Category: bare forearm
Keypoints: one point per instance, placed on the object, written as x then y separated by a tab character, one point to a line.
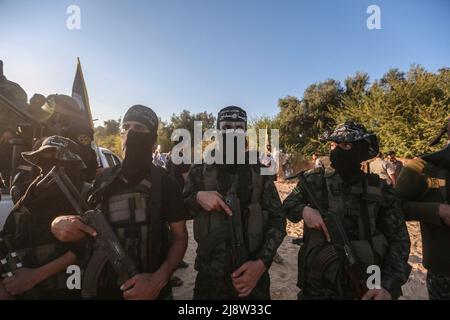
56	266
175	256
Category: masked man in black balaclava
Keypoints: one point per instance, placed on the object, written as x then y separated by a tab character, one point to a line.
371	218
27	228
141	201
262	227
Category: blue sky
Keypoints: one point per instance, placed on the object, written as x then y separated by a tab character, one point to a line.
205	54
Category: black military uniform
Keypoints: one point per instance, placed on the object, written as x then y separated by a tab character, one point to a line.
28	225
139	200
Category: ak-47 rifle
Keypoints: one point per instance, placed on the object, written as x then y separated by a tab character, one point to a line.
339	239
107	247
239	252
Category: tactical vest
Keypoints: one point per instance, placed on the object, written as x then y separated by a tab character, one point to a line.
134	214
255	218
318	260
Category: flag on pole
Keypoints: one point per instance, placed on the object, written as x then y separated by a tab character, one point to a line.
79	93
89	151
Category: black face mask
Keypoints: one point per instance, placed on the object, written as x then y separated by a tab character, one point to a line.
137	155
346	162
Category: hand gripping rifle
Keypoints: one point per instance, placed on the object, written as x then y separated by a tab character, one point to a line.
339	239
106	245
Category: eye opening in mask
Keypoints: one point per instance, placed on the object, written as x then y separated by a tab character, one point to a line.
133	125
342	145
232	125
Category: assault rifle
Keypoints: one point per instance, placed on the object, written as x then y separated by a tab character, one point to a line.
339	239
106	245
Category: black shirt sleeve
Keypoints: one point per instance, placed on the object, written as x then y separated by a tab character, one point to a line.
172	206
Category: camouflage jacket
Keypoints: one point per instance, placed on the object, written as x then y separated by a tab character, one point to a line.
275	228
389	220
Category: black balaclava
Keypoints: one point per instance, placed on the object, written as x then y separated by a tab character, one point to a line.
137	147
347	163
137	151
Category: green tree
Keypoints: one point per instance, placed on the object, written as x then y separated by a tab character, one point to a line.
302	121
112	127
404	110
184	120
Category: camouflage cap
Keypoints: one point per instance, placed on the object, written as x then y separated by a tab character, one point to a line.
66	150
346	132
352	132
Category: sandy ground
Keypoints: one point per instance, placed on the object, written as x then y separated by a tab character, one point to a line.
284	276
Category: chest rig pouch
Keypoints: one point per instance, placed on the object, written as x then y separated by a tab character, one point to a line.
358	209
255	219
134	214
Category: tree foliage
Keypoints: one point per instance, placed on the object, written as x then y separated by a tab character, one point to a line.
405	110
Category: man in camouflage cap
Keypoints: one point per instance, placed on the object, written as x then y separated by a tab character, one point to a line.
370	214
423	184
27	228
263	226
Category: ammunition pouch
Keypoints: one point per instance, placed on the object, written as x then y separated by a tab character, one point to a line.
207	223
134	215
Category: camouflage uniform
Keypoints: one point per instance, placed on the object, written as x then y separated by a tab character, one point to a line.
371	216
263	224
213	279
423	185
